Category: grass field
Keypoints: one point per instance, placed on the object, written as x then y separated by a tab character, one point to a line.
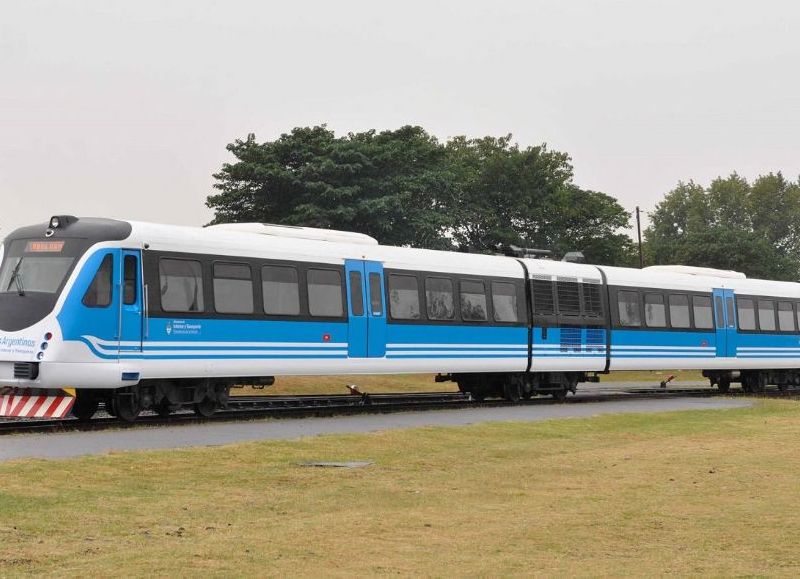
691	493
375	383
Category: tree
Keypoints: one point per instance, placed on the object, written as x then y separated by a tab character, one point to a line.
403	187
730	225
389	185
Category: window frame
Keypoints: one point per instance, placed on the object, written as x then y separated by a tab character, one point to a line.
203	312
486	297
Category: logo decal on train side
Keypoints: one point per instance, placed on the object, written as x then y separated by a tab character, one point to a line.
183	328
17	345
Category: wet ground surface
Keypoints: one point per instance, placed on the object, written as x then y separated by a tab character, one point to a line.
71	444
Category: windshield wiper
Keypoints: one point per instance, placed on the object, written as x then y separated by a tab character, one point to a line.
16	276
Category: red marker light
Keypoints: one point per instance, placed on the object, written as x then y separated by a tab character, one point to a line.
48	336
326	337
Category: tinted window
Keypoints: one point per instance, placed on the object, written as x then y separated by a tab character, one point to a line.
439	298
356	293
233	288
747	315
628	303
99	293
719	311
729	311
766	315
473	301
404	297
592	304
325	293
181	285
655	314
504	301
376	303
281	291
785	317
679	311
703	316
543	296
131	276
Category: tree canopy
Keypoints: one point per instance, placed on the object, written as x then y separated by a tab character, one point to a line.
404	187
731	224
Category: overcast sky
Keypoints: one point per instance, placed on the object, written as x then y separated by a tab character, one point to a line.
124	108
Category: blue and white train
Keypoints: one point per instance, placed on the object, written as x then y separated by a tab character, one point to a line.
144	316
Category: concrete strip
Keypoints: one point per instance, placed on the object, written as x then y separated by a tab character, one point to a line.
71	444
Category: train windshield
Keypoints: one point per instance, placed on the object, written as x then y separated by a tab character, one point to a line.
32	265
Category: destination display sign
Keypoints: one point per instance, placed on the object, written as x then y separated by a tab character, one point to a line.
44	247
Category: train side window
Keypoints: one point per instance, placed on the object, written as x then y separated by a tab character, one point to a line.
233	288
356	293
655	314
592	303
543	301
703	316
325	293
745	310
766	315
280	289
473	301
439	298
504	301
403	297
376	303
99	293
569	302
719	311
679	311
628	303
729	311
786	317
130	276
181	285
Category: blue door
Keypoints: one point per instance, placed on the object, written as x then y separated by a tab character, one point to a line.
725	317
128	289
376	339
366	309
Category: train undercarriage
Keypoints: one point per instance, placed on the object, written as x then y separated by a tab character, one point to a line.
204	396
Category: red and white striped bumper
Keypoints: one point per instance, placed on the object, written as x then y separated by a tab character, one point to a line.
35	405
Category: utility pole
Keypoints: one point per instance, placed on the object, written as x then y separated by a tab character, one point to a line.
639	234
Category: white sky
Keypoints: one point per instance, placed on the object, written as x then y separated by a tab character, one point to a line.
124	108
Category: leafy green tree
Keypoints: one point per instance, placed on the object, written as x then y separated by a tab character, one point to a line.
731	224
405	188
389	185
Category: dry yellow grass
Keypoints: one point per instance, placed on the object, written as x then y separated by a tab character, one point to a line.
692	493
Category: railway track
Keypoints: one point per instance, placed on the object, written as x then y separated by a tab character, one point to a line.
305	406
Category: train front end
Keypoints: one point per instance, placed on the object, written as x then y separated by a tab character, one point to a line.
50	282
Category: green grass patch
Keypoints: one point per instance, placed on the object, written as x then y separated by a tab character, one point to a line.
685	493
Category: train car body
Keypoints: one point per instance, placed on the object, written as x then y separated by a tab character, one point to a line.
146	316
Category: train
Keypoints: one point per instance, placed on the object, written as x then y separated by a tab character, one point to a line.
142	316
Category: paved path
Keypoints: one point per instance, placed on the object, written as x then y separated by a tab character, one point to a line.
70	444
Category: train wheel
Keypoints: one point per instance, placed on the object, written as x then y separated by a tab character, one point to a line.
511	392
109	403
560	395
163	408
84	408
206	407
724	385
126	408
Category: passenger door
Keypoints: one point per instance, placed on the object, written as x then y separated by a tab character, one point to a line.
366	309
725	321
129	291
